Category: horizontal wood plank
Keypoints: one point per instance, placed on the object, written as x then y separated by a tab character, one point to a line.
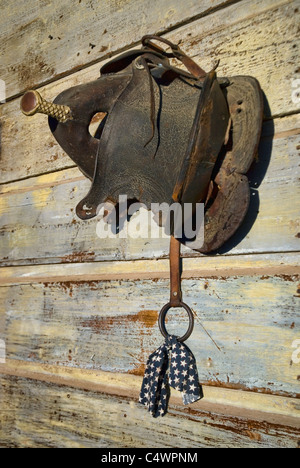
245	327
261	407
39	224
64	36
194	267
81	418
244	39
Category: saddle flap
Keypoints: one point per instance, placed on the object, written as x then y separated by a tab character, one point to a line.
206	140
228	206
85	101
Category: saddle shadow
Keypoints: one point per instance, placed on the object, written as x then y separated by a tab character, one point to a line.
255	175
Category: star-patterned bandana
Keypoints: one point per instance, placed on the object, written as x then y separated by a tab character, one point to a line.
171	365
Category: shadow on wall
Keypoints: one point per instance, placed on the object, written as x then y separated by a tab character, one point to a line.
255	175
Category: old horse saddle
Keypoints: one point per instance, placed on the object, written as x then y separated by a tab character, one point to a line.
169	135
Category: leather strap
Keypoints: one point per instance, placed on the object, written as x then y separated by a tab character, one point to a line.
175	273
189	63
176	293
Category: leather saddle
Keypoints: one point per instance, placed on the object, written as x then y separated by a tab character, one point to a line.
170	135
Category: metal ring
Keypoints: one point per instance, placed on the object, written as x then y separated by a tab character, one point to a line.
162	317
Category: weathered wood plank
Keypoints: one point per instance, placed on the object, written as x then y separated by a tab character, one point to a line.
195	267
244	331
39	224
64	36
262	407
77	418
244	38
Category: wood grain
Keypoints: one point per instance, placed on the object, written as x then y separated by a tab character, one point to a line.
258	406
65	36
244	331
63	417
193	267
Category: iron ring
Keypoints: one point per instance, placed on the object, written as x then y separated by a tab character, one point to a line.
162	317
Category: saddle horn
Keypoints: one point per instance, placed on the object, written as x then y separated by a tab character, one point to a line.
32	103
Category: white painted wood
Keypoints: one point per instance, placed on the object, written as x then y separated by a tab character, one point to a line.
43	40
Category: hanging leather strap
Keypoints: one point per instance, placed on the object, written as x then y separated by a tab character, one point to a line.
175	273
176	293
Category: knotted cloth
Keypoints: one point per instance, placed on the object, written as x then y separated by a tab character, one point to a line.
171	365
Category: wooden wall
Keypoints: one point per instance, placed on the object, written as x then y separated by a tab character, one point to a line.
78	314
